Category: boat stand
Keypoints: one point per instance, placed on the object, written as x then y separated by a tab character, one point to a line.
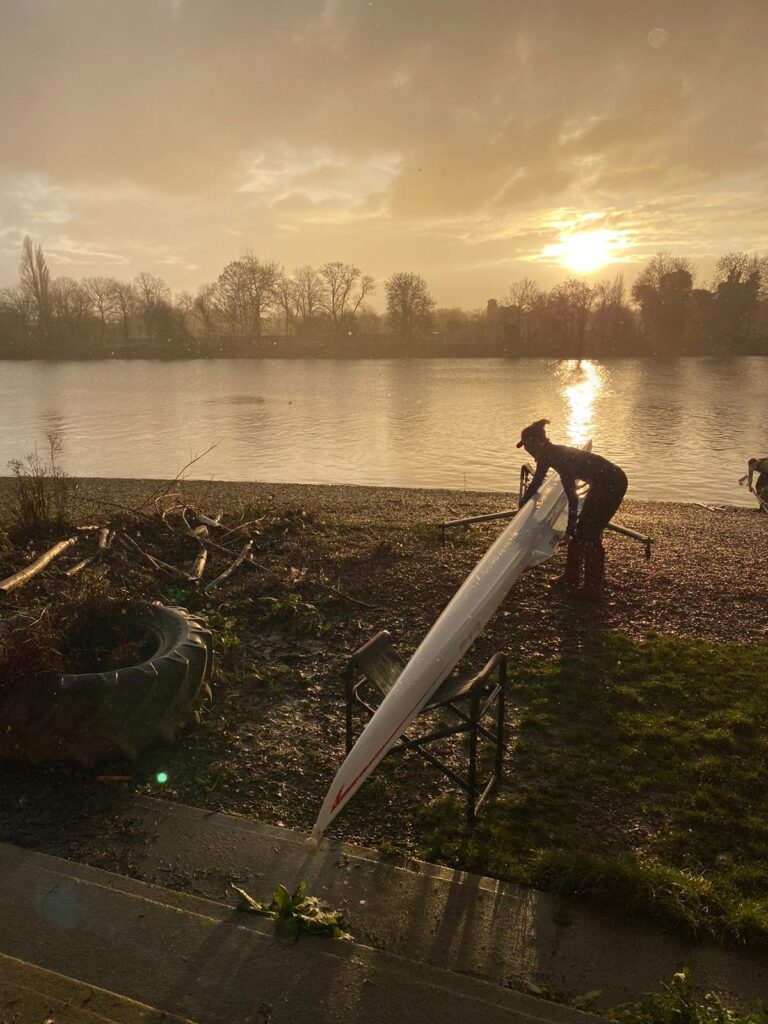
473	699
525	474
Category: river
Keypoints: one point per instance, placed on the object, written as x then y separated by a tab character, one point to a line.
682	429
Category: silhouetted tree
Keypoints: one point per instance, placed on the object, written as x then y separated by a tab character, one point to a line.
152	295
71	311
246	293
102	299
611	325
663	293
410	305
126	304
204	305
287	303
309	295
15	321
567	314
740	281
345	288
35	282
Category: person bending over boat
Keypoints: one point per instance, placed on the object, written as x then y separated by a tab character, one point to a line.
607	485
759	466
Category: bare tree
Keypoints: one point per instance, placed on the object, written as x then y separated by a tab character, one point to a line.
310	293
567	313
101	295
184	305
126	303
204	305
287	302
246	291
35	282
524	295
71	307
153	296
410	306
345	289
15	319
663	293
660	267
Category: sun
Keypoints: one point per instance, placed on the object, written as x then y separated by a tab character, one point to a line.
585	251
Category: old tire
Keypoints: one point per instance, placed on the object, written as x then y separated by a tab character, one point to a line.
99	715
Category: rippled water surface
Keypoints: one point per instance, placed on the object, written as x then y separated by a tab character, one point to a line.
682	429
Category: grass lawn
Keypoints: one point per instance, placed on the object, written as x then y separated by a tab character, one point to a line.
639	778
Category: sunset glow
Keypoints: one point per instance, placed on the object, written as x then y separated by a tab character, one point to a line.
585	251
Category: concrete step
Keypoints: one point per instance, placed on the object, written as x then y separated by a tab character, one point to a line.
200	960
32	995
450	919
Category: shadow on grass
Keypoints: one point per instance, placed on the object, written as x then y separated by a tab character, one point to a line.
637	778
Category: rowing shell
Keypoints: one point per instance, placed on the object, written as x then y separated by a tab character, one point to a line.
531	537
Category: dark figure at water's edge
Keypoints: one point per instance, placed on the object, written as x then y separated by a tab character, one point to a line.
759	466
607	486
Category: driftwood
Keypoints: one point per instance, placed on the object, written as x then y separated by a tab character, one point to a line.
156	563
75	569
23	575
230	569
106	536
198	566
209	520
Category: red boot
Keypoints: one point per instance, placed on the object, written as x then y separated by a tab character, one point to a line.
594	571
571	578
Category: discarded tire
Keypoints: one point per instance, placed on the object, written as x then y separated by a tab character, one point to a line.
94	716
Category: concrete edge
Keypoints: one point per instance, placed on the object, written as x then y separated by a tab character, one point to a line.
37	992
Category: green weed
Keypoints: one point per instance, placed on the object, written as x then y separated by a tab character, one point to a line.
677	1004
293	614
293	913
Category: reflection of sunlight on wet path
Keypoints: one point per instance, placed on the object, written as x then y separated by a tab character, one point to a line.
582	382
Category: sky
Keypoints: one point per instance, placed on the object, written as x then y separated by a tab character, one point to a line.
468	142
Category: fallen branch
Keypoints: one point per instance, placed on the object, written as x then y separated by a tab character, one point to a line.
198	566
228	571
23	575
209	520
81	565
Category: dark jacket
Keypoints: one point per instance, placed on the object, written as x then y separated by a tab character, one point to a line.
572	464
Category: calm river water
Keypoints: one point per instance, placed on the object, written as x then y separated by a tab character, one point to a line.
683	429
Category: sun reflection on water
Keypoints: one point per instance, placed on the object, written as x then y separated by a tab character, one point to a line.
582	381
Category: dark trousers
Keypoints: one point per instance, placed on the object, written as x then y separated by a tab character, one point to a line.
605	494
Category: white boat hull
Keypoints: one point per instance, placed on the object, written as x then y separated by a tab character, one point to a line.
531	537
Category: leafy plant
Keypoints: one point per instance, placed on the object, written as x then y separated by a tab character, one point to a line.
293	913
224	627
43	490
677	1004
293	613
176	595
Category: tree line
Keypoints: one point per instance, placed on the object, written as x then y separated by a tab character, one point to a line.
255	308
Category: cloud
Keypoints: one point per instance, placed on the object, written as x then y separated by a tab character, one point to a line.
171	130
